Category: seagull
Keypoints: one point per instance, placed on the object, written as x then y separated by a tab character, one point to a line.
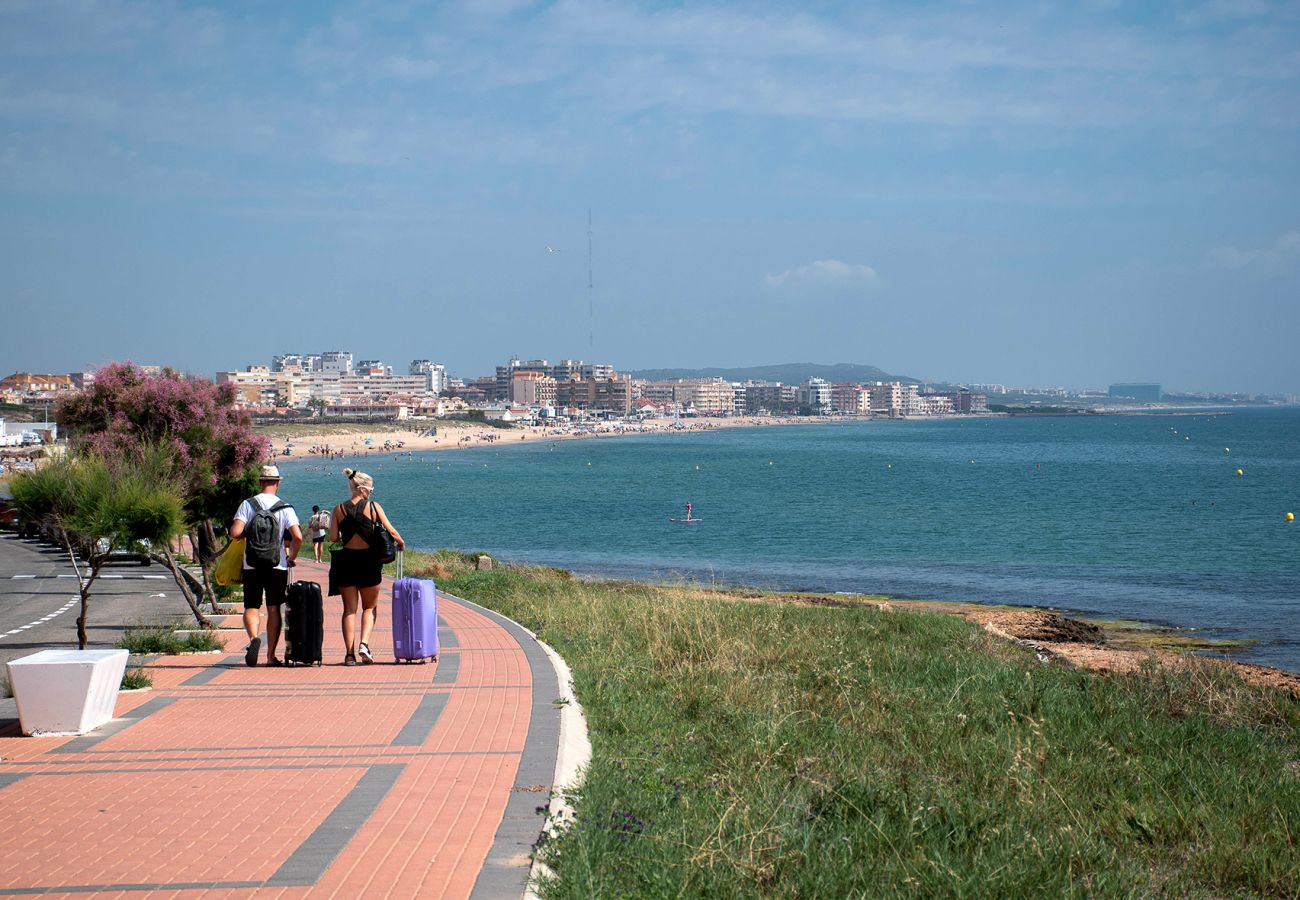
550	249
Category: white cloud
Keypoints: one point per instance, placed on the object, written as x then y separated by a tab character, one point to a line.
825	272
1281	251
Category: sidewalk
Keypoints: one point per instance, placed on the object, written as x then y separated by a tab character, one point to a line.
229	781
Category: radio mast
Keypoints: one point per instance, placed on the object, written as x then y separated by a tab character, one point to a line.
591	302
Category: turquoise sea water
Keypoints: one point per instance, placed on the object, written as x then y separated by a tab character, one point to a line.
1138	517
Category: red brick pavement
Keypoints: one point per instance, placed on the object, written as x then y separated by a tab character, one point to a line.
281	782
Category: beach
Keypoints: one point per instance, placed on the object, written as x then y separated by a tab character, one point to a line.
309	440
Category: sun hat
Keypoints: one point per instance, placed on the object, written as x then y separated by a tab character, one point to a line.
270	473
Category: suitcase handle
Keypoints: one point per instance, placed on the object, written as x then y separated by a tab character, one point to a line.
400	554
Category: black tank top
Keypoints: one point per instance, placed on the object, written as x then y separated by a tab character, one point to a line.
354	521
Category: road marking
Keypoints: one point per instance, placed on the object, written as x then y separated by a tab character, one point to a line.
16	577
58	612
158	577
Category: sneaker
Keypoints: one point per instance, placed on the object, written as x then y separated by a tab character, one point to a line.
364	653
349	660
250	654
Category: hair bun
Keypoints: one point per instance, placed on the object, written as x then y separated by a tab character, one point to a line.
349	473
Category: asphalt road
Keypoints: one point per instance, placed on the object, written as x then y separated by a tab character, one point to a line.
39	602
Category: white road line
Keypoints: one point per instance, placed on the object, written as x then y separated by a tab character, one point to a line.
62	609
158	577
16	577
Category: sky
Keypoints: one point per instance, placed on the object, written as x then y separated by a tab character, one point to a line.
1051	194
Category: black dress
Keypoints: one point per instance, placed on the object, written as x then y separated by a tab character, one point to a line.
358	568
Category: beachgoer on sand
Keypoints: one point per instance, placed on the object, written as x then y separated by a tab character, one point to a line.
355	570
270	527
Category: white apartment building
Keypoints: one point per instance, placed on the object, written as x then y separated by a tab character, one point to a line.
598	372
816	392
436	374
336	361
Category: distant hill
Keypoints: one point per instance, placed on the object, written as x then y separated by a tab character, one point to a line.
786	373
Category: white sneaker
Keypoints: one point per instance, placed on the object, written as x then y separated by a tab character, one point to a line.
363	653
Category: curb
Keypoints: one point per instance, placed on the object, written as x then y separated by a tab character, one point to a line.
570	765
572	754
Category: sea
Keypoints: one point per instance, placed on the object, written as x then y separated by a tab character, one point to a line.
1173	519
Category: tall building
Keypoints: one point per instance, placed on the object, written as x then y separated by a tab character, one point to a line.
336	361
598	371
434	372
567	370
530	388
816	392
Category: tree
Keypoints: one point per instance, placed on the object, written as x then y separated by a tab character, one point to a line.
211	440
96	506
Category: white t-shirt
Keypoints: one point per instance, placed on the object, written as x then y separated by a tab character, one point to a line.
286	517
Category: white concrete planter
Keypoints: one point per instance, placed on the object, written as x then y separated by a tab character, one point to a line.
66	691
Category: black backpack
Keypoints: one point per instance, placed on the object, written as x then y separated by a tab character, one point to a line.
264	536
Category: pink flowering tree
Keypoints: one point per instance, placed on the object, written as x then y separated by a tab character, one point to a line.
212	443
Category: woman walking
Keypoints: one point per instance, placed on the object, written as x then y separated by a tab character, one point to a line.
355	570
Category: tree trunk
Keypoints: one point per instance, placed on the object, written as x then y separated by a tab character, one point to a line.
83	586
182	578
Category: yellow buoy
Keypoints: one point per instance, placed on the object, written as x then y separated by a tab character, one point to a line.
1290	517
1239	472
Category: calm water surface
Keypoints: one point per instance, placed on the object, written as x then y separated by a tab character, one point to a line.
1139	517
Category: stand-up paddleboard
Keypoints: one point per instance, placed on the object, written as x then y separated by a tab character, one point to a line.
689	517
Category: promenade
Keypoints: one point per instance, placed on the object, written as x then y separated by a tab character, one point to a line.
228	781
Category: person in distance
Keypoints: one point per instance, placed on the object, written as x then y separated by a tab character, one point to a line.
355	570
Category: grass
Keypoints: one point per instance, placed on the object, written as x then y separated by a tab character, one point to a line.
136	679
752	749
149	639
6	689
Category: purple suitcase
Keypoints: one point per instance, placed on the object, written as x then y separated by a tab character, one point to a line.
415	618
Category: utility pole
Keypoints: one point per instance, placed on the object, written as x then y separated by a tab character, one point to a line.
591	302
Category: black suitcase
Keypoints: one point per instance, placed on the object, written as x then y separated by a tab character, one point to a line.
304	624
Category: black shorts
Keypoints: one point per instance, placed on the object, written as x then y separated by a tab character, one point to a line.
354	568
318	540
271	582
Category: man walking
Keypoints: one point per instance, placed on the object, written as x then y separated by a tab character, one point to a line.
264	521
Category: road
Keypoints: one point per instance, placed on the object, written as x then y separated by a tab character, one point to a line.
39	604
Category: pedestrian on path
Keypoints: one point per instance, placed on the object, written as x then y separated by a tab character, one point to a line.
270	527
355	570
319	525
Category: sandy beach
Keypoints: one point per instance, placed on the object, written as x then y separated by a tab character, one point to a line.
320	440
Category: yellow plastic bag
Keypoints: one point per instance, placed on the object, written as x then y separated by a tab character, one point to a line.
230	566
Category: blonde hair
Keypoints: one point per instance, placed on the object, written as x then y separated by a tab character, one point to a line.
359	479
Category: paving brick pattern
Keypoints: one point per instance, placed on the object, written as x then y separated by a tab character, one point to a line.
228	781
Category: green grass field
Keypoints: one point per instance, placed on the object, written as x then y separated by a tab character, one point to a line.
768	749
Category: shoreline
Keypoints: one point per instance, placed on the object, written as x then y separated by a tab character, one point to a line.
1105	646
390	439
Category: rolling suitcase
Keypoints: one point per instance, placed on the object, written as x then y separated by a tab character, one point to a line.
415	618
304	624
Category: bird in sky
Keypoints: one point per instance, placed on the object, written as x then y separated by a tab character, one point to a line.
550	249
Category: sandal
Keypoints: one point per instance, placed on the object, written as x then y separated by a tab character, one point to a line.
349	660
273	661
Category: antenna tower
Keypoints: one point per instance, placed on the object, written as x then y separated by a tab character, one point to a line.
591	303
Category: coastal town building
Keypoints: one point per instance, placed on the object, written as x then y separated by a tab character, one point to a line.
815	393
336	361
531	388
770	396
32	386
435	373
853	399
590	394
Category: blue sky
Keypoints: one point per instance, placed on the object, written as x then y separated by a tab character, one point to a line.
1050	194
